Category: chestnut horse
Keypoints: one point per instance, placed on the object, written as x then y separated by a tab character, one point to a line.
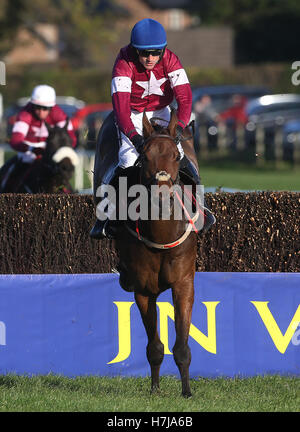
163	253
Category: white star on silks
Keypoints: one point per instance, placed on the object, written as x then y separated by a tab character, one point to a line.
152	86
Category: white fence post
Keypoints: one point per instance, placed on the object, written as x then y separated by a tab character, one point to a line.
85	166
2	154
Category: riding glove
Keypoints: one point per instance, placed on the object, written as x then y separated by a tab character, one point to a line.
138	142
27	157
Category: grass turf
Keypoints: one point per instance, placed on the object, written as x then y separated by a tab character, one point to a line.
247	178
102	394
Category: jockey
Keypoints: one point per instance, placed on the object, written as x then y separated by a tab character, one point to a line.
29	133
147	76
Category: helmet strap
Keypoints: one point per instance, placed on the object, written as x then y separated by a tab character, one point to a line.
162	54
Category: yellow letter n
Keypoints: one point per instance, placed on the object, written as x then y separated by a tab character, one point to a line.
208	342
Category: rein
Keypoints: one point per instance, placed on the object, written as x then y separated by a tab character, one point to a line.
171	245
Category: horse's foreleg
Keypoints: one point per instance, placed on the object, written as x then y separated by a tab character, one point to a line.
155	349
183	299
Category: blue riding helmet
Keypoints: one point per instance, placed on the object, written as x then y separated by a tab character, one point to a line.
148	34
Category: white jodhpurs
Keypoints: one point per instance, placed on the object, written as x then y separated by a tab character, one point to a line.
127	153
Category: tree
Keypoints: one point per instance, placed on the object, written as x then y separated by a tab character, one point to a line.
10	20
238	12
265	30
84	27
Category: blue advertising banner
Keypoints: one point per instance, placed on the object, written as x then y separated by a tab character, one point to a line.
243	324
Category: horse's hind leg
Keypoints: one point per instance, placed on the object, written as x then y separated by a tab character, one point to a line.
155	349
183	298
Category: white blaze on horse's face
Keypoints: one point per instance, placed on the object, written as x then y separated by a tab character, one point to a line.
66	152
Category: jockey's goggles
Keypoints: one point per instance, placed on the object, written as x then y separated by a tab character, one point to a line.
147	53
43	108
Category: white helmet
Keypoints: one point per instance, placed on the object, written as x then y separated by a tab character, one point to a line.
43	95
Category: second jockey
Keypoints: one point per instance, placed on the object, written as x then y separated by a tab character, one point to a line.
146	76
29	133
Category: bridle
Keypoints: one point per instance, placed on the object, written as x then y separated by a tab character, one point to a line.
159	175
154	180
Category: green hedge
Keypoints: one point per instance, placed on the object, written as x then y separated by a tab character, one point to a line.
93	85
256	232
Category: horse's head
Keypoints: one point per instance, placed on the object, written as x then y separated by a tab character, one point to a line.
160	161
160	157
57	137
59	155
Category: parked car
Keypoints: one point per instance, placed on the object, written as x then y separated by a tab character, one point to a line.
273	110
87	122
210	101
270	112
291	139
221	95
69	104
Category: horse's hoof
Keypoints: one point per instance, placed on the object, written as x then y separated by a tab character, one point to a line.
187	395
155	390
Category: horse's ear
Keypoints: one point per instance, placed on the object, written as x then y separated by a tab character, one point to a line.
173	123
147	126
67	124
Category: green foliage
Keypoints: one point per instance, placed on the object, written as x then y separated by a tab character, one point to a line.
93	86
10	20
237	12
265	30
87	84
83	29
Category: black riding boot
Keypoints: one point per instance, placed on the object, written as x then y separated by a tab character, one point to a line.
188	168
106	228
